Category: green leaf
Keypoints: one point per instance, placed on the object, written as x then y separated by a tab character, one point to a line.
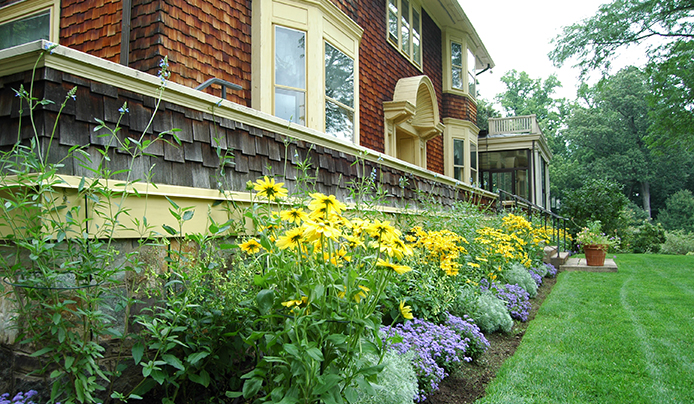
265	300
188	214
138	351
173	203
315	354
291	349
233	394
251	387
41	351
169	229
173	361
328	382
203	378
56	318
158	375
196	356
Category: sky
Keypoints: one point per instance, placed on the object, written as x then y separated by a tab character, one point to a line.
517	35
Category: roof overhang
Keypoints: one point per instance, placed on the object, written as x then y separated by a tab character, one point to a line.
449	13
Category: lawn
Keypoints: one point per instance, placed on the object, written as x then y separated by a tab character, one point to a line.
622	337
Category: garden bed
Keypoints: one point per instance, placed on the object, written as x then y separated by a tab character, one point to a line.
469	384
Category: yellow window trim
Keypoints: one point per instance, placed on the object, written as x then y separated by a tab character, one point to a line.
461	130
322	21
28	8
450	36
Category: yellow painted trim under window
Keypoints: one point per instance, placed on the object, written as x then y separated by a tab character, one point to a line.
27	8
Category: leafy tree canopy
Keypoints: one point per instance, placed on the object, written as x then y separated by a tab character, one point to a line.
667	28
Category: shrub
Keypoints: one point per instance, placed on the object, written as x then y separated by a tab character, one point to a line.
466	327
516	298
551	270
519	275
646	238
597	199
679	212
491	313
678	242
397	382
436	348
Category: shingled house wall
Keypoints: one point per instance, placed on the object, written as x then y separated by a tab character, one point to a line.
195	163
205	39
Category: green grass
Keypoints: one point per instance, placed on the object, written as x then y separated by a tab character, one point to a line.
625	337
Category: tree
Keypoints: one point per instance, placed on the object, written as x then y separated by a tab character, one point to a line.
679	213
485	110
526	96
667	28
607	136
597	199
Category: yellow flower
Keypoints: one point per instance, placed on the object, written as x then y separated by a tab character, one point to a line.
406	311
329	204
267	188
297	304
400	269
383	230
314	230
294	216
292	238
361	294
251	246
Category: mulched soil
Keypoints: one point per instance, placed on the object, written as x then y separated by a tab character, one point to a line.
469	384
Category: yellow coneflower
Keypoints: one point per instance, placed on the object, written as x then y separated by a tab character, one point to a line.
267	188
406	311
251	246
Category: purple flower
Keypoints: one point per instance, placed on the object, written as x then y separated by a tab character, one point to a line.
516	298
437	348
551	270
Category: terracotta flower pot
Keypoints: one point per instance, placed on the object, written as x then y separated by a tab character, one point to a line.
595	254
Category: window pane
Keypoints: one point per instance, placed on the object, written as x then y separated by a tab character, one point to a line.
339	76
416	37
456	55
339	121
473	156
458	173
290	60
458	152
472	77
290	105
470	62
393	20
473	176
457	78
405	28
25	30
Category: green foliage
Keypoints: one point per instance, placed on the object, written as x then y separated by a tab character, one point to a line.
519	275
679	212
644	238
678	242
665	28
491	313
599	200
397	382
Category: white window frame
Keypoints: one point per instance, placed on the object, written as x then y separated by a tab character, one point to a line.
411	51
29	8
322	21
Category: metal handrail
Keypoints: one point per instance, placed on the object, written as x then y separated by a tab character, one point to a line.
222	83
556	219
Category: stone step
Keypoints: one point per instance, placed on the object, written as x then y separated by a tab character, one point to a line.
579	264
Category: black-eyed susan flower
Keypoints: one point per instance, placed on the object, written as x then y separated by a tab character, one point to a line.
267	188
295	216
251	246
400	269
314	231
406	311
293	238
382	230
329	204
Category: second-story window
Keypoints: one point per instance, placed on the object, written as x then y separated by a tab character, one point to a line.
472	77
290	74
405	28
339	94
456	65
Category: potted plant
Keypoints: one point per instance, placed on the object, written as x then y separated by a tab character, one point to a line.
595	243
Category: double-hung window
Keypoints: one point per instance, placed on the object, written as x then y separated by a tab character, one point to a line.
339	93
471	76
405	28
462	68
25	30
290	74
458	159
456	65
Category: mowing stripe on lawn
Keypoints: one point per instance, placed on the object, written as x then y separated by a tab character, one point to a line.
622	337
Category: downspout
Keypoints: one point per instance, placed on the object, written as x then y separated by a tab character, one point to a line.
125	33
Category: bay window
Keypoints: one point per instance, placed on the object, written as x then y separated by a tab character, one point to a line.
29	20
